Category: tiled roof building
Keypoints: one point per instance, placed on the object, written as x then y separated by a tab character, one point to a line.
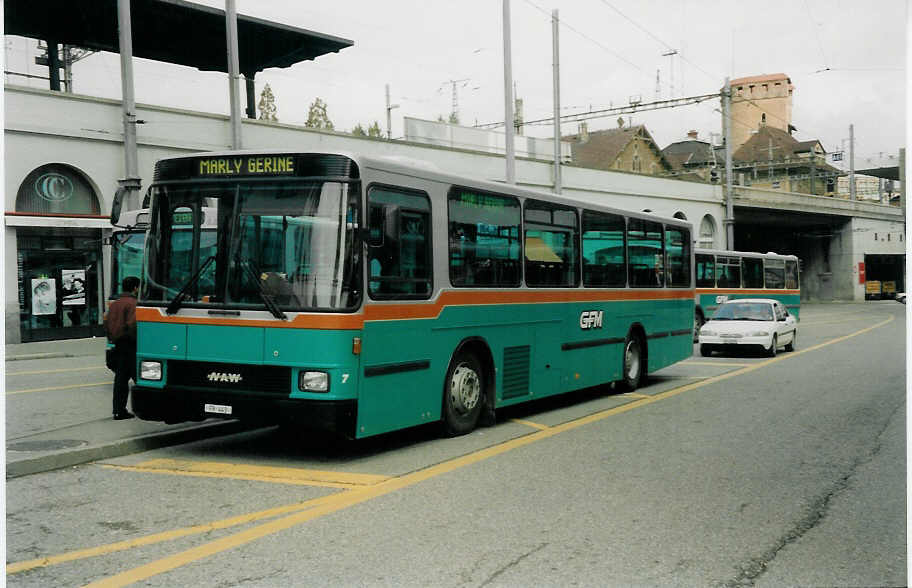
629	148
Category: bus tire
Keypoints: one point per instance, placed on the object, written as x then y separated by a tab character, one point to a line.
463	394
633	362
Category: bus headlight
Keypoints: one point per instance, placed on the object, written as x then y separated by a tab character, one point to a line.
313	381
150	370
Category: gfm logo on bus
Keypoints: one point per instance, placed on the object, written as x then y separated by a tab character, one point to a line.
591	319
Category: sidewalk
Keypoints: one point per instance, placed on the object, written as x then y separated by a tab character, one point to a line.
59	443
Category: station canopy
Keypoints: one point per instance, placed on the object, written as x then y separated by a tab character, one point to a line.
172	31
888	173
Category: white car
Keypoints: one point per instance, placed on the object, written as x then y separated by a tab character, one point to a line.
749	323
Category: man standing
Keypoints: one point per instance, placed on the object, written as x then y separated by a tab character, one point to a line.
120	325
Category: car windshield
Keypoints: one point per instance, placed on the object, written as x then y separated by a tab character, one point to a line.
289	245
744	311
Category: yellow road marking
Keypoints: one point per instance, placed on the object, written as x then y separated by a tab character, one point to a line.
160	537
108	383
33	372
635	395
275	475
531	424
339	501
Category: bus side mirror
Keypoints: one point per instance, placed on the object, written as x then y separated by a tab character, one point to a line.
117	204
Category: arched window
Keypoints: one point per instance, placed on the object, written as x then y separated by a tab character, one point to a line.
56	189
680	215
707	232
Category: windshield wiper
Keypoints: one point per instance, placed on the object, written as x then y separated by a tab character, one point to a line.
179	299
267	299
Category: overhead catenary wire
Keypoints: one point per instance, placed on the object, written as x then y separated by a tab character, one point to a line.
826	64
667	46
568	26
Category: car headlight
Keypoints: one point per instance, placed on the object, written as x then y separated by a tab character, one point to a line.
313	381
150	370
759	334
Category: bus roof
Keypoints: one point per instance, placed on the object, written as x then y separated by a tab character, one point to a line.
769	255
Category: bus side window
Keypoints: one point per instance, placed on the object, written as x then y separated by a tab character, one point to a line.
791	274
604	253
677	248
399	244
752	272
645	253
706	271
484	245
774	273
551	245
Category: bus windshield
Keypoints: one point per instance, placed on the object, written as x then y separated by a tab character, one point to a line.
289	244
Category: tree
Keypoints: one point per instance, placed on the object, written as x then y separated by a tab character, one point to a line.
267	104
317	117
372	131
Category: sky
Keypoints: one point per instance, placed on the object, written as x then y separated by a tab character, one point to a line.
845	58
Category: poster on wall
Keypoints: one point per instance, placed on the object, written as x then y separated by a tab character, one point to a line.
44	296
73	287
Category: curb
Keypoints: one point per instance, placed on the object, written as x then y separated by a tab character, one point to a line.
56	461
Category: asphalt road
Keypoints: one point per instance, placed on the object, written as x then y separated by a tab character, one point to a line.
722	471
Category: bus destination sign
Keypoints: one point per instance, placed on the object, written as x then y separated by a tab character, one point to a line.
267	165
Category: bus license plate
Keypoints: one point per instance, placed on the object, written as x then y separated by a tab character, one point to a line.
217	408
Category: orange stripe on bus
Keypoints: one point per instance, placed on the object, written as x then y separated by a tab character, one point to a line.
420	310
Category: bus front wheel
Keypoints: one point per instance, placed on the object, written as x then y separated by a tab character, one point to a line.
633	363
463	394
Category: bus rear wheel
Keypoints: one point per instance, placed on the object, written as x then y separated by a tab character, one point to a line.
463	394
633	364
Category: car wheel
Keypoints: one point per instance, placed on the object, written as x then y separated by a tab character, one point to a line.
463	394
632	363
773	347
791	344
706	350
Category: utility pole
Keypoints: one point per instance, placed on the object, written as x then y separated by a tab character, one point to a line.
508	97
555	51
389	117
902	180
729	191
233	77
131	182
852	162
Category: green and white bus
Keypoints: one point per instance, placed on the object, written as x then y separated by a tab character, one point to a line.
728	275
365	295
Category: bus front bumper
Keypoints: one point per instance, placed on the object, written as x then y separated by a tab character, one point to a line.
179	405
